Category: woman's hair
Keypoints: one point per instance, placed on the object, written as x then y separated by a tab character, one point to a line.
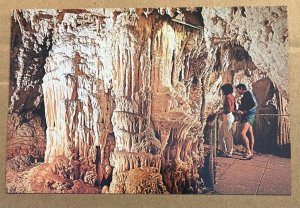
241	87
227	89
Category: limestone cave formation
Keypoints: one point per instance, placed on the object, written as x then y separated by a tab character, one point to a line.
117	100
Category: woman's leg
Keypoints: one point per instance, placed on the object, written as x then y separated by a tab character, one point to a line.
228	134
222	144
225	136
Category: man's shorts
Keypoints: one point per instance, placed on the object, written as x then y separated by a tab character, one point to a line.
248	118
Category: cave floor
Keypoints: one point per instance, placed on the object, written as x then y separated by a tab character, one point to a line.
263	175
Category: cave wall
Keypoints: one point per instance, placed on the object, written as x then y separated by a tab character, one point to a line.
126	92
261	31
30	43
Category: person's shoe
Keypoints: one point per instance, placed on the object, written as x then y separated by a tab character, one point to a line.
237	153
221	154
247	157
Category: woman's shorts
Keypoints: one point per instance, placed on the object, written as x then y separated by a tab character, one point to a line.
248	118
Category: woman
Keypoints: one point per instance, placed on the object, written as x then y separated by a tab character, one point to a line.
225	133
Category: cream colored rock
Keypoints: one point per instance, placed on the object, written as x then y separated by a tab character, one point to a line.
127	92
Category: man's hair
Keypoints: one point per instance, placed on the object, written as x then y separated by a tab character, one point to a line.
227	89
241	86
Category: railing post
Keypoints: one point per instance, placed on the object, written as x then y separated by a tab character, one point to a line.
213	153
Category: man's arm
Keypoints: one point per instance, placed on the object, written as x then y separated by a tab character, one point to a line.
254	101
251	102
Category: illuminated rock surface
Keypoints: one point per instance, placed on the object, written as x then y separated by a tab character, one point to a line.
118	99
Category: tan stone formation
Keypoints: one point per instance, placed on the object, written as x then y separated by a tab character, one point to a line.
59	176
26	119
122	95
26	136
261	31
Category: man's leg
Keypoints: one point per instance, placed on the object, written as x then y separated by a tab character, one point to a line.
244	128
251	141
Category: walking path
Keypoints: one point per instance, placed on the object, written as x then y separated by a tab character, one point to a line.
264	174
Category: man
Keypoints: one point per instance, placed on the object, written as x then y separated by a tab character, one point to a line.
247	110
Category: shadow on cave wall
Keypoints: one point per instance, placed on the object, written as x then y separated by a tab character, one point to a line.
266	124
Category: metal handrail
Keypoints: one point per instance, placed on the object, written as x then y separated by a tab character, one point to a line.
270	114
213	151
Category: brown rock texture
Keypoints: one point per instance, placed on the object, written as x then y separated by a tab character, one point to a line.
116	100
59	176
